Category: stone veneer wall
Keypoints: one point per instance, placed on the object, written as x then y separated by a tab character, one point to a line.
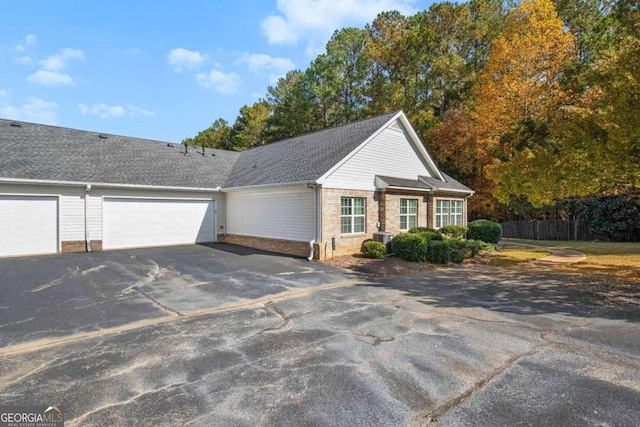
288	247
345	243
81	246
392	210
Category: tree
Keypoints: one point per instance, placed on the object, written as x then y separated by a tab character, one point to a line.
250	128
218	135
293	107
521	79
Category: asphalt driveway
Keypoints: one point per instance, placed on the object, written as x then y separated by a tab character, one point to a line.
462	346
60	295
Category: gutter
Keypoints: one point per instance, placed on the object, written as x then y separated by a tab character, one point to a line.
282	184
315	187
103	185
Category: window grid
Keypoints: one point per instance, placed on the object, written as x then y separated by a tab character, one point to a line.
352	215
408	213
448	212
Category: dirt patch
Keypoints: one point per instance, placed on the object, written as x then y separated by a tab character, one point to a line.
393	266
390	266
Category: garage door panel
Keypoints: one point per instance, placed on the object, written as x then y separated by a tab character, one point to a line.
130	223
28	225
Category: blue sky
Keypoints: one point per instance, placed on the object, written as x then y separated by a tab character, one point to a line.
159	69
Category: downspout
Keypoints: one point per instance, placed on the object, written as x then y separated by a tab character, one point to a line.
87	237
315	225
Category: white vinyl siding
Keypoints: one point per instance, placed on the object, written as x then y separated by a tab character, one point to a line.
408	213
449	212
286	213
28	225
353	215
390	153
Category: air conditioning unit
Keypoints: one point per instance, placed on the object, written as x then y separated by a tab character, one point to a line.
384	237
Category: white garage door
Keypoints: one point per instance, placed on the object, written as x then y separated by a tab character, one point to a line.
28	225
131	223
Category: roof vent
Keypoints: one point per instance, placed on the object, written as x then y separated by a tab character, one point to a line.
169	145
16	125
102	136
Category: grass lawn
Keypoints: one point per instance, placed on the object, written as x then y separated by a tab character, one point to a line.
510	255
621	259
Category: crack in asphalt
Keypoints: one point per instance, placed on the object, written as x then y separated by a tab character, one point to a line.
282	314
434	415
258	302
376	339
158	303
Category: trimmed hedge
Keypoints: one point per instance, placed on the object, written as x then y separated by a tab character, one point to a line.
485	230
453	230
373	249
409	246
423	230
453	250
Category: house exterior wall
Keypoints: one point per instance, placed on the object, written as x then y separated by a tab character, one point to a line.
390	153
331	225
283	213
392	210
71	213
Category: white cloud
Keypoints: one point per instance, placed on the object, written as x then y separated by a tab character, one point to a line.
135	111
314	20
50	78
59	61
105	111
223	83
4	94
181	59
31	39
24	60
273	66
133	51
35	110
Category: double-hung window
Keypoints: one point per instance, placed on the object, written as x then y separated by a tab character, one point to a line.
408	213
352	215
448	212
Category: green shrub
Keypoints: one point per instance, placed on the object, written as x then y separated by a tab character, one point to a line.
458	250
453	230
437	252
373	249
420	230
409	246
485	230
431	235
476	246
454	250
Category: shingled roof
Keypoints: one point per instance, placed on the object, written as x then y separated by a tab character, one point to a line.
42	152
303	158
30	151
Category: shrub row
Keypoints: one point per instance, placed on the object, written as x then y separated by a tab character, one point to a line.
418	247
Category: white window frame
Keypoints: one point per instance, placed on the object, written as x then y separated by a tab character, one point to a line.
448	212
406	215
351	215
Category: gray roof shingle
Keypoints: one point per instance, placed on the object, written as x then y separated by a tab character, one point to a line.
404	183
303	158
450	184
42	152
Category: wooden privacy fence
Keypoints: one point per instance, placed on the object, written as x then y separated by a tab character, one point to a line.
549	229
